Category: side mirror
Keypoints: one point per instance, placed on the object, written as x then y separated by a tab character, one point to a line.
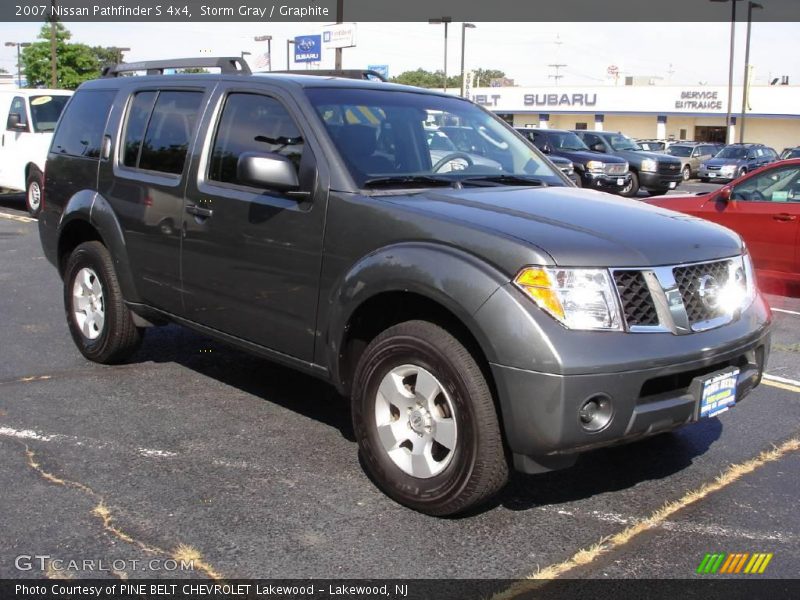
725	194
599	147
15	122
267	170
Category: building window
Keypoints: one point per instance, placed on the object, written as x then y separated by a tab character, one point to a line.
682	134
580	126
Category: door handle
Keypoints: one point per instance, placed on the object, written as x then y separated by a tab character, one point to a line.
784	217
198	211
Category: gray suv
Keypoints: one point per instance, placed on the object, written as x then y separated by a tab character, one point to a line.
481	315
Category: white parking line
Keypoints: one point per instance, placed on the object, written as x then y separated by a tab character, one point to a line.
19	218
788	312
782	380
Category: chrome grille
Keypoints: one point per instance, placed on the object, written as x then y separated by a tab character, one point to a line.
690	283
713	167
616	168
637	302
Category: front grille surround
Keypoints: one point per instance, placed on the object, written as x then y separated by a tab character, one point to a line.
670	298
669	168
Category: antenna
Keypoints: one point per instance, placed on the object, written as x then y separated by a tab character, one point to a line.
556	66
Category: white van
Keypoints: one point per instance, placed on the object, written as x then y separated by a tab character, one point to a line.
30	118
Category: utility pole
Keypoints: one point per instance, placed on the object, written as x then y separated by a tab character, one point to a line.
556	66
53	58
746	82
288	54
446	21
464	27
339	19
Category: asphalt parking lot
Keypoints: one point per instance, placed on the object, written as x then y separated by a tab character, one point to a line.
199	450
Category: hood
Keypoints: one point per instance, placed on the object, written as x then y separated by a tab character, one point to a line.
725	161
584	156
638	155
580	227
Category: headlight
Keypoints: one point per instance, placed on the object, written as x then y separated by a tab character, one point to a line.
740	290
595	165
648	164
577	298
728	168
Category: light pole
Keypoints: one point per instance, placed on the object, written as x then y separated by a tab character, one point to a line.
268	39
746	81
119	52
288	53
446	21
728	139
19	60
464	27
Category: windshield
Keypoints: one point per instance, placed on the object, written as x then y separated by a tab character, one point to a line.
45	111
620	142
732	152
404	138
680	150
565	141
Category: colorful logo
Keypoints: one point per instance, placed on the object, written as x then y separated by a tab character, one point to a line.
743	563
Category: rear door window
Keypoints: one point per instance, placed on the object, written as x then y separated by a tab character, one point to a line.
80	132
159	128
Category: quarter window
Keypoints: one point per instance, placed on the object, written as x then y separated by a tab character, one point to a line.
81	130
252	123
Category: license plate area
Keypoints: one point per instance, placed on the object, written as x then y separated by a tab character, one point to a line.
620	181
672	185
715	392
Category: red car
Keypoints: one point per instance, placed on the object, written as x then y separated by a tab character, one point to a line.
764	208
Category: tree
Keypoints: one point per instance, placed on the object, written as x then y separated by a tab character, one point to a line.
427	79
75	63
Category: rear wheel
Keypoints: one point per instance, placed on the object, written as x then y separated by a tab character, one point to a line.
425	420
100	323
33	192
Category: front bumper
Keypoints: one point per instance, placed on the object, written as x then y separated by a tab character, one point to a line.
658	181
716	175
601	181
645	376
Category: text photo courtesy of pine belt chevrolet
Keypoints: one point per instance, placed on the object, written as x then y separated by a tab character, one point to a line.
480	316
764	208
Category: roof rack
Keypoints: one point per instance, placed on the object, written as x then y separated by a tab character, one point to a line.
346	73
226	65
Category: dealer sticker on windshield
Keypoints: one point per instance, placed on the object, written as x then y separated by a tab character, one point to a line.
718	393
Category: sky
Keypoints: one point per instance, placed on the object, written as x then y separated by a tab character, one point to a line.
679	53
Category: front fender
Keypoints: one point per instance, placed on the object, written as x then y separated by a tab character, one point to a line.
456	280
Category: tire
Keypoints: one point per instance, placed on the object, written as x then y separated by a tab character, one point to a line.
630	190
100	323
459	411
742	172
33	192
687	173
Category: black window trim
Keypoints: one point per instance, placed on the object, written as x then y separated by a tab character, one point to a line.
203	179
147	175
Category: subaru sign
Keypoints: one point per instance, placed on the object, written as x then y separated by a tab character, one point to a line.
307	48
382	70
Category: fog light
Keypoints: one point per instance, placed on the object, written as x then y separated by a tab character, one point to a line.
595	413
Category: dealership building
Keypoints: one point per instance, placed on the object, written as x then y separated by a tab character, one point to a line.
653	111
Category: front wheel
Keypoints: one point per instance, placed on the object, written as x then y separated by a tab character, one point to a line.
632	187
100	323
687	173
33	192
425	421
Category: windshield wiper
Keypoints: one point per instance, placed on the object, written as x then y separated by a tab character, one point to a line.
409	180
504	180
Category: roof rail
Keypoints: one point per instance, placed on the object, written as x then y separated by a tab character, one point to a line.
226	65
346	73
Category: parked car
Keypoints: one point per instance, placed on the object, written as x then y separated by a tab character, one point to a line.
734	160
31	117
764	208
790	153
653	145
567	167
477	319
692	155
651	171
609	174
